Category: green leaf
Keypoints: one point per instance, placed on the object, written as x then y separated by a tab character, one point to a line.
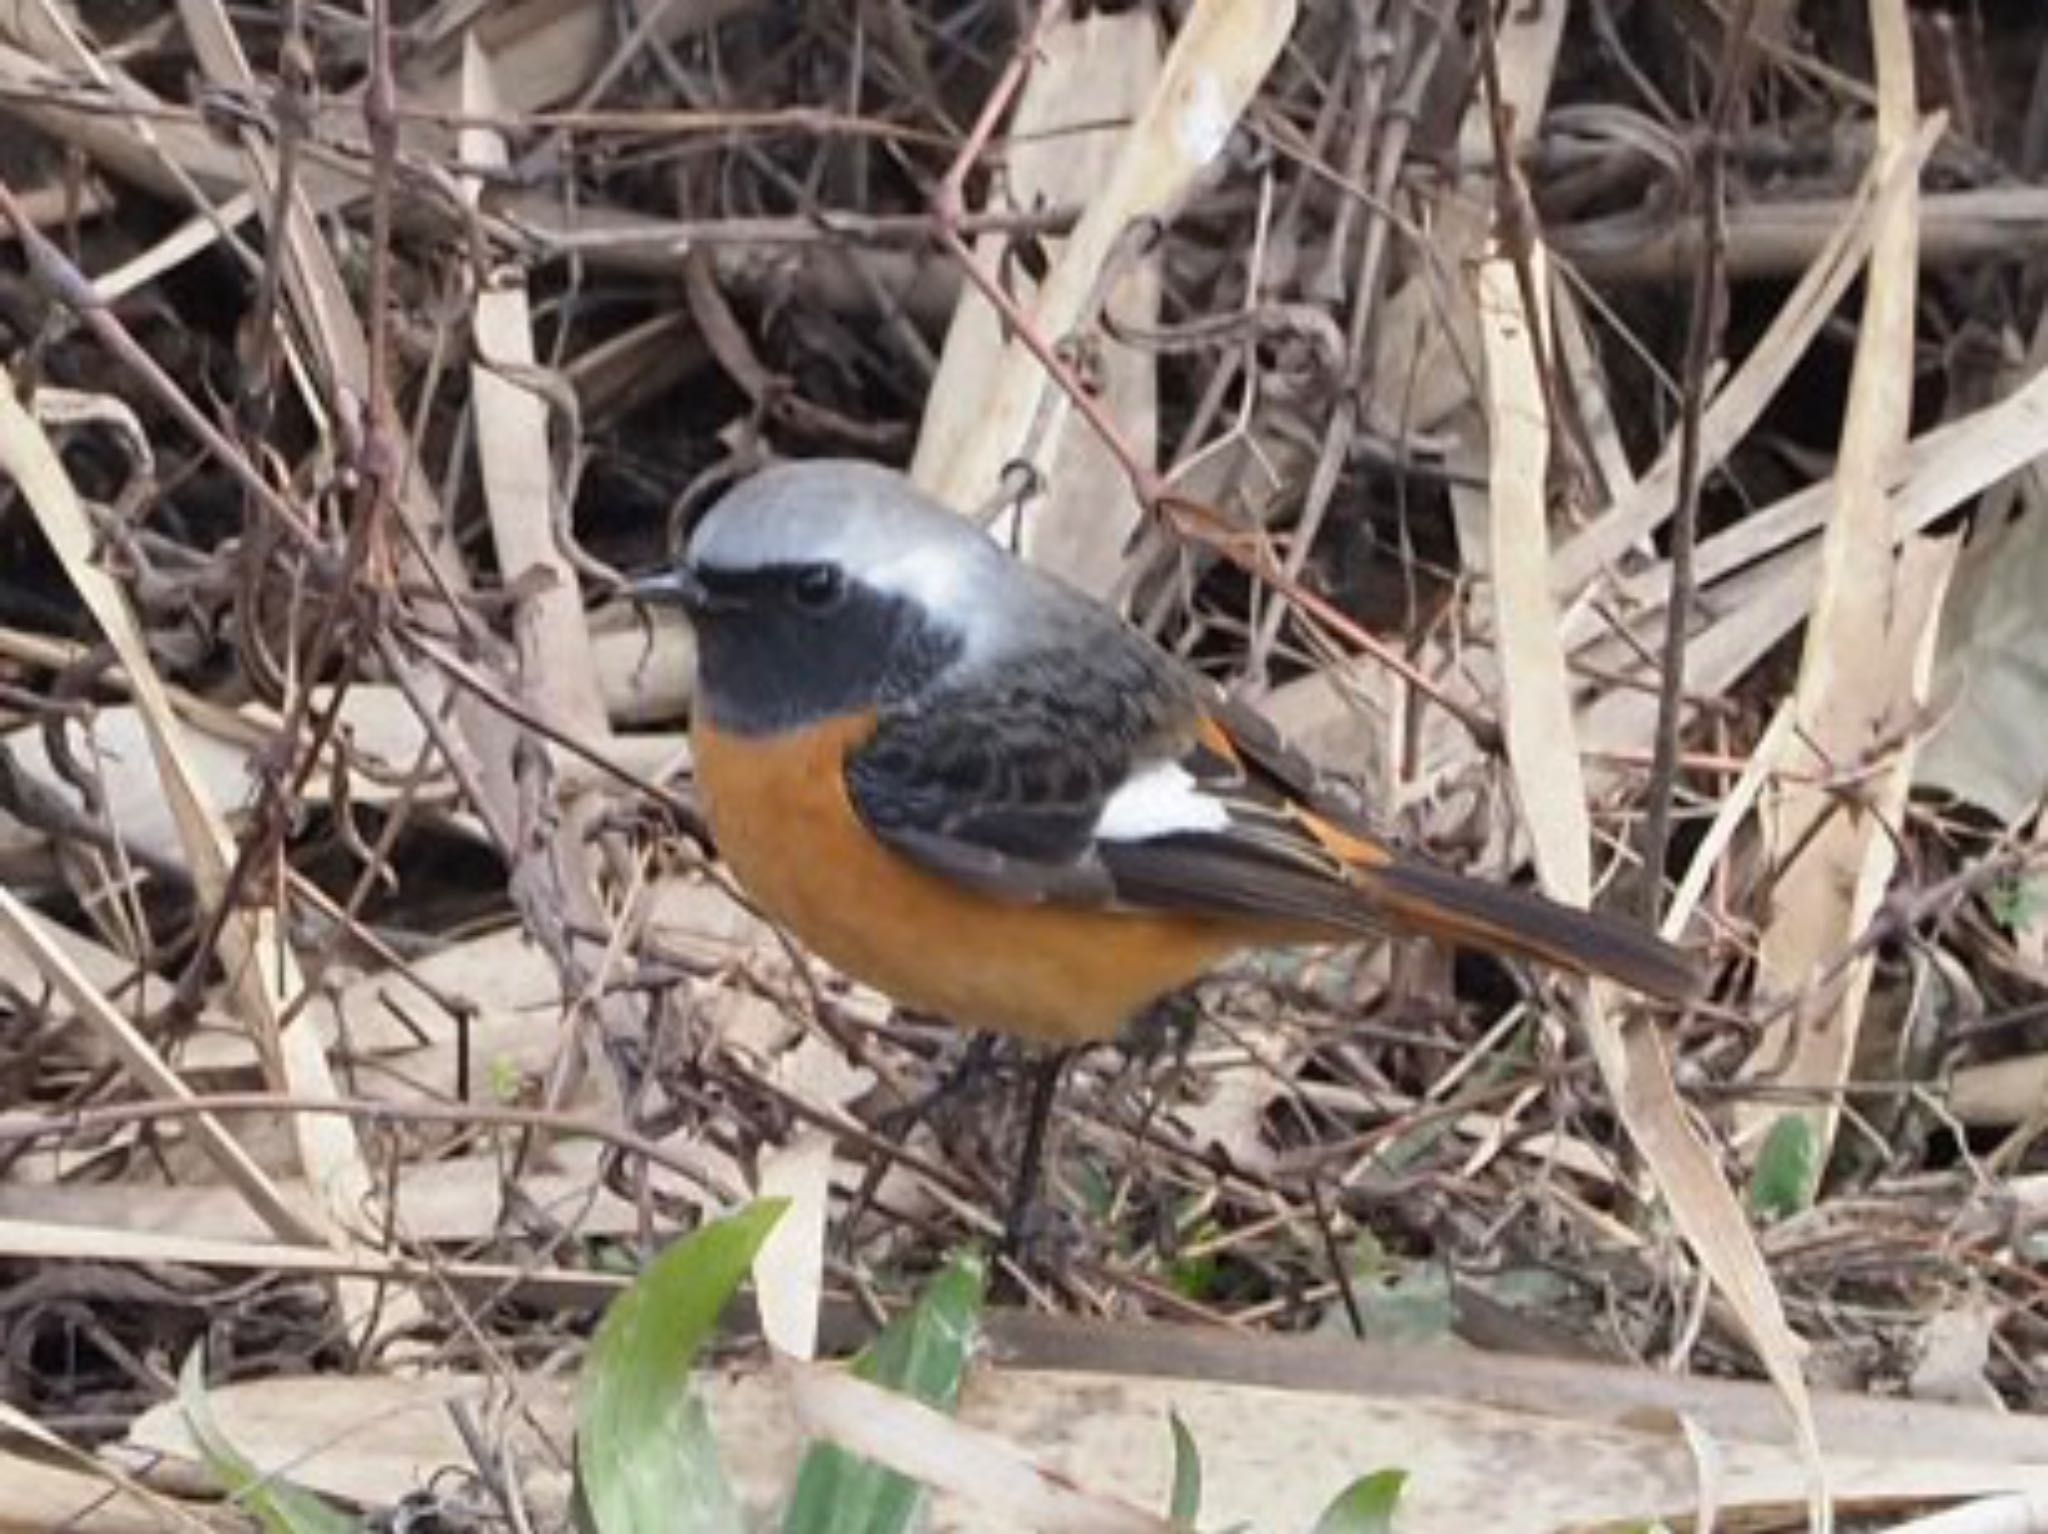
504	1079
924	1354
2016	904
1195	1277
1186	1504
645	1458
1788	1171
281	1507
1366	1506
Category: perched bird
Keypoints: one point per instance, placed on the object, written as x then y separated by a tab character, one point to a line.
978	790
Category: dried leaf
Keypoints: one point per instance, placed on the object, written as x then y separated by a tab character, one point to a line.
1991	675
1542	750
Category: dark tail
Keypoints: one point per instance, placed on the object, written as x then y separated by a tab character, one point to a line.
1465	912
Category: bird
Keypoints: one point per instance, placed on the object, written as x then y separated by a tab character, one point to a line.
965	782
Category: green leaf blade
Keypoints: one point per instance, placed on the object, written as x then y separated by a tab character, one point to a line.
1185	1505
1788	1169
923	1353
646	1460
279	1506
1366	1506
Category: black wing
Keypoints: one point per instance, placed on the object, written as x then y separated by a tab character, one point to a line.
998	781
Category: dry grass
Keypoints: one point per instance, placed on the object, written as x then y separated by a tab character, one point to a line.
363	996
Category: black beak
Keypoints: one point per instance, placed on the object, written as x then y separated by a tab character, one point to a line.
677	586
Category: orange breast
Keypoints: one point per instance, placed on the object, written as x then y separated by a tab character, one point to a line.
1060	975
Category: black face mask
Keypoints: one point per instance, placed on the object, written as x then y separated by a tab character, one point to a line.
788	645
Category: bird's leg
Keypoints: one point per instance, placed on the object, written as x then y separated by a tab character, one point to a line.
895	1126
974	1061
1045	1087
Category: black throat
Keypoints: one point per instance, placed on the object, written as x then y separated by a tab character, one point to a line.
767	665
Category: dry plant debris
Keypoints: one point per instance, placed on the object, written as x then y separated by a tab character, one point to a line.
1605	433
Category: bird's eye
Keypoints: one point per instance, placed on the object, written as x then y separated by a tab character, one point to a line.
817	588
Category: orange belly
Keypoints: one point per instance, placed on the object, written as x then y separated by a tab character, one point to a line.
1057	974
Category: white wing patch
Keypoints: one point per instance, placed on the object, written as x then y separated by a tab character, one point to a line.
1160	800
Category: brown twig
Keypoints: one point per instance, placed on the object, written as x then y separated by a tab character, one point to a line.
74	290
90	1121
1703	343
